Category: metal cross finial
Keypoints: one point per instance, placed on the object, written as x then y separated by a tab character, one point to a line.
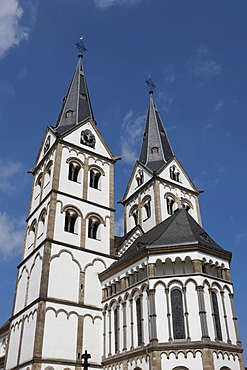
150	83
80	46
85	357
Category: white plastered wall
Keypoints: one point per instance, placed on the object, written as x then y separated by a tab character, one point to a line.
220	360
189	361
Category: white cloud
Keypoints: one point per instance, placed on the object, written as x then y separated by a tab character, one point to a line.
9	169
203	66
132	129
106	3
170	75
7	88
11	32
119	226
11	236
241	237
219	104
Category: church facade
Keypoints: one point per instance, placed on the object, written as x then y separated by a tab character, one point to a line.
159	298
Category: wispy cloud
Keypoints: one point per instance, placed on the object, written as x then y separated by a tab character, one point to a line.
106	3
7	88
11	31
132	129
170	75
11	236
241	237
165	100
219	104
203	66
8	170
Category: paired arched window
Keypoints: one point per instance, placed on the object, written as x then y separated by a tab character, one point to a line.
139	177
74	169
174	173
95	175
70	220
216	316
93	227
177	314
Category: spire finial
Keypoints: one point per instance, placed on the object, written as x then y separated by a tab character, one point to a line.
150	84
81	47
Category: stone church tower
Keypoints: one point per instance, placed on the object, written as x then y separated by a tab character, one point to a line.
158	298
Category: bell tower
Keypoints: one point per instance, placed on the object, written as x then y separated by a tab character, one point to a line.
68	242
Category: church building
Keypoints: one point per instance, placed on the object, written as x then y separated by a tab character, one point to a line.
158	298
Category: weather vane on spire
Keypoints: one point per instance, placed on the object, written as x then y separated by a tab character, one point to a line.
150	83
80	46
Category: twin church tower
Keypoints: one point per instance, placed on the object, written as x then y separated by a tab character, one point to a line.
158	298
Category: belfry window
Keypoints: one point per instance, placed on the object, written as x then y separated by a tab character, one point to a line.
70	220
139	177
94	178
147	206
170	205
135	216
174	173
216	316
186	207
177	314
74	169
155	150
139	321
93	227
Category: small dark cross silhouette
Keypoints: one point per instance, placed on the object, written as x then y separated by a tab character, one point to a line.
85	357
150	83
80	46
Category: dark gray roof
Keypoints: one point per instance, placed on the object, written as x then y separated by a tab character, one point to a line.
180	229
154	136
77	101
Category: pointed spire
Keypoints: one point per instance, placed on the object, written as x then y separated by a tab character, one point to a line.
156	149
76	106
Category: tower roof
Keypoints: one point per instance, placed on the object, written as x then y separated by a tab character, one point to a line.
156	149
76	106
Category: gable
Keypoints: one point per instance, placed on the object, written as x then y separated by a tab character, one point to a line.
139	177
88	137
47	142
175	173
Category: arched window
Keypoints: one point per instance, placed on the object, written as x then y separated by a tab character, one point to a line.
170	205
174	173
154	150
116	329
70	220
94	178
139	177
216	316
177	314
74	169
69	113
139	321
93	227
135	216
147	207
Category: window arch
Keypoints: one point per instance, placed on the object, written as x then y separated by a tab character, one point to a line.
170	202
74	169
216	315
139	321
177	314
69	113
70	220
95	175
135	215
147	207
93	227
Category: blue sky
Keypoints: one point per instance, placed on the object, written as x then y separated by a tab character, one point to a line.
196	54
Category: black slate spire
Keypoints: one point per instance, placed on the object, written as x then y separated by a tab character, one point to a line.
156	149
76	106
